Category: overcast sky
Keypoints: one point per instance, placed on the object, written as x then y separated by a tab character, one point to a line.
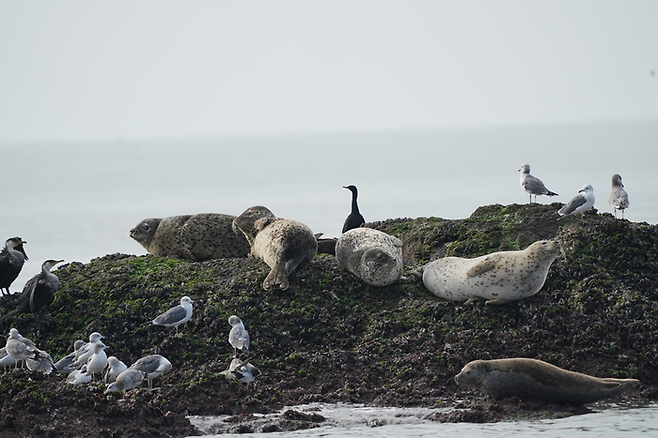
114	70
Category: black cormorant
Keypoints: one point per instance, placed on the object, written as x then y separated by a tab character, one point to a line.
12	258
39	290
354	220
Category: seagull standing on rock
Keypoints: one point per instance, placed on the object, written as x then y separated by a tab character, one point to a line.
580	203
152	366
238	337
176	315
618	197
533	185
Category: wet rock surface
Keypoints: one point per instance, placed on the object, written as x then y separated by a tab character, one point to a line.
331	338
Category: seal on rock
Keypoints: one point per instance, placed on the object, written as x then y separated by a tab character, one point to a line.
194	237
538	380
372	255
283	244
500	277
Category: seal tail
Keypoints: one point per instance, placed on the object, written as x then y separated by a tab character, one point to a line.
277	276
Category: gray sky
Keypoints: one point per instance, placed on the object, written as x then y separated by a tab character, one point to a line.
92	70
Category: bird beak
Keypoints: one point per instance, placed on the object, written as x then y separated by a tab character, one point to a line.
21	249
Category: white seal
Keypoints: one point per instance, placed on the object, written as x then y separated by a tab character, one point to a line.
499	277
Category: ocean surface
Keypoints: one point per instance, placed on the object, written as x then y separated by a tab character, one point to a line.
355	421
78	201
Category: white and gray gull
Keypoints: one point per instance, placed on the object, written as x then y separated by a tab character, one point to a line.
126	380
238	336
618	199
152	366
532	184
580	203
176	315
114	368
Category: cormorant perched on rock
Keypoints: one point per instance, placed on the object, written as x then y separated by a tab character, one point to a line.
354	220
39	290
12	258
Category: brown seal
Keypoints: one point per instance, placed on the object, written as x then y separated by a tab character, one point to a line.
538	380
283	244
195	237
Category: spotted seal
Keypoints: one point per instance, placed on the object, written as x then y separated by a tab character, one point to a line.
538	380
500	277
281	243
195	237
372	255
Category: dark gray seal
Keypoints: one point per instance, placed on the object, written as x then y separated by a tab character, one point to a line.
538	380
195	237
372	255
282	244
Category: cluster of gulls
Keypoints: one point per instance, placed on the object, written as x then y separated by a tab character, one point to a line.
583	201
89	359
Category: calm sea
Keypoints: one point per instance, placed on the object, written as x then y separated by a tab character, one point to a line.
79	201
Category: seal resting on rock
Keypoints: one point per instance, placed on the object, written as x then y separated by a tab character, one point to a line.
281	243
500	277
538	380
372	255
195	237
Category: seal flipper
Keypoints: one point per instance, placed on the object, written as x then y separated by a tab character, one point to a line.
277	276
486	265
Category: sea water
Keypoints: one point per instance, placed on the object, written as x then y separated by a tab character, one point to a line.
357	421
79	201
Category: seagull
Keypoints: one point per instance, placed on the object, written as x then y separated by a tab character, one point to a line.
41	361
98	360
17	348
24	349
126	380
6	361
12	258
238	337
84	353
580	203
176	315
114	368
533	185
618	197
152	366
79	376
65	364
242	371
